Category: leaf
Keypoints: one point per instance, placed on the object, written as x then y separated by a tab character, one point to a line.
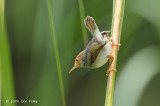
135	76
43	69
6	76
43	76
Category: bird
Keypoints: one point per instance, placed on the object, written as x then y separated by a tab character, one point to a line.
98	51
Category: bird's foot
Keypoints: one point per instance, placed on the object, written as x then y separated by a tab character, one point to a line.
110	70
114	44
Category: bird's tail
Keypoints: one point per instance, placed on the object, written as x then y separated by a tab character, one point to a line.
92	27
90	24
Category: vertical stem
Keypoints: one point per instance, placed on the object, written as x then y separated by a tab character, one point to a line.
6	74
56	52
0	83
82	17
117	20
1	30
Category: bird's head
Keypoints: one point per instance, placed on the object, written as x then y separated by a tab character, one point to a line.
77	63
105	34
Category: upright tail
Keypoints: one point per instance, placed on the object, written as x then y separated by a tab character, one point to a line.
92	27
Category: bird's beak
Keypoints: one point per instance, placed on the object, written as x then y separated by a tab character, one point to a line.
73	68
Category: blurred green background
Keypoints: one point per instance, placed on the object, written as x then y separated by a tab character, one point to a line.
33	63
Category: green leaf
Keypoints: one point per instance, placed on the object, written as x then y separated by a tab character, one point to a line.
56	51
6	75
82	17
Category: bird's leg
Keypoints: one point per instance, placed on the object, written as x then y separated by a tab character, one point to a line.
114	44
109	68
111	57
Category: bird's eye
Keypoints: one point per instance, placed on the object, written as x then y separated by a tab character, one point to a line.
77	60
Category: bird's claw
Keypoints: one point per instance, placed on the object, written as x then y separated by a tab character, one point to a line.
110	70
114	44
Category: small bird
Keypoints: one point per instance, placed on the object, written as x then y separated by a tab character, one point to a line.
98	50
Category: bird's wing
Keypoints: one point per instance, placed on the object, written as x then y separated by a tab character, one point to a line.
97	49
92	51
92	27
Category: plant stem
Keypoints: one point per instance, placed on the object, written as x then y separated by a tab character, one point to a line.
117	20
82	17
1	31
56	52
6	74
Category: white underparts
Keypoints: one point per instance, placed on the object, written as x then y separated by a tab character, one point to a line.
102	57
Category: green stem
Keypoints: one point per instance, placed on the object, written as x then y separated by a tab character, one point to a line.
56	52
6	75
0	81
1	32
82	17
117	20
